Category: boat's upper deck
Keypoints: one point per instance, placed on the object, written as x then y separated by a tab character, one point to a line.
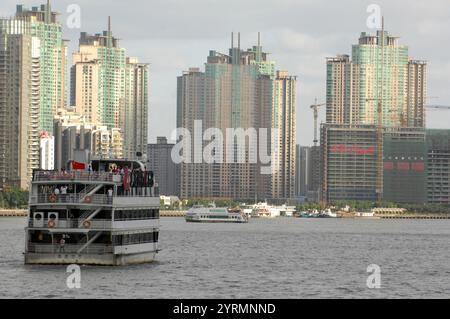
105	182
57	177
98	171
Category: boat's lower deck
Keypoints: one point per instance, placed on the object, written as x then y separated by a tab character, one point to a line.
89	259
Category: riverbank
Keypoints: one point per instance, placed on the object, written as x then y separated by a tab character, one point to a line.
171	213
13	213
403	215
417	216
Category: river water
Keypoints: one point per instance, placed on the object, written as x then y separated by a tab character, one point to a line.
280	258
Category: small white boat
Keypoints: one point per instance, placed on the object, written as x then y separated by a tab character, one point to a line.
247	211
264	210
201	214
328	214
287	211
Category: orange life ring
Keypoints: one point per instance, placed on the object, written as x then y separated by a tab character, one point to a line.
51	224
87	224
88	199
52	198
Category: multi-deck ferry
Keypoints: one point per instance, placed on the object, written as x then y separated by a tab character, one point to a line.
264	210
107	214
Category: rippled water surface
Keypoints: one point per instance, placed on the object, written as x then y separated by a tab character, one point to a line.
281	258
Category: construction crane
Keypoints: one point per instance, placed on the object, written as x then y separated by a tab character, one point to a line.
315	108
380	172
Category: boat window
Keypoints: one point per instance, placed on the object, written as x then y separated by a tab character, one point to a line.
134	239
141	214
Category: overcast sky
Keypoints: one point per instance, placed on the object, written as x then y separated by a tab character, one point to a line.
173	35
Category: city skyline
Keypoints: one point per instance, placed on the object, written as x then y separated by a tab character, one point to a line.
300	45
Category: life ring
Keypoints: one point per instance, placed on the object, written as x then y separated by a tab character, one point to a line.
51	224
52	198
87	224
88	199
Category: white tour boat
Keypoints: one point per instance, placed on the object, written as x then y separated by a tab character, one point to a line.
264	210
201	214
105	215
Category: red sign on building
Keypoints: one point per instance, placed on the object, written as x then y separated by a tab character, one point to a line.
418	167
352	149
403	166
389	166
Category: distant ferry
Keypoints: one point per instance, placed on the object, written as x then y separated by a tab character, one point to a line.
316	214
107	214
201	214
264	210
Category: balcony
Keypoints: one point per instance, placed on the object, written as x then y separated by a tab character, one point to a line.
50	176
96	249
74	223
70	199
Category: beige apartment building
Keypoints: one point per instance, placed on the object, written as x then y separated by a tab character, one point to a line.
111	89
239	90
78	139
19	103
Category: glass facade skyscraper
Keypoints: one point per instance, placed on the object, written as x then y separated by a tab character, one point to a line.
354	85
111	89
32	88
240	89
52	61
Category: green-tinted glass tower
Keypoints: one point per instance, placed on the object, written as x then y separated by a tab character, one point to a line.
354	87
52	61
111	89
239	90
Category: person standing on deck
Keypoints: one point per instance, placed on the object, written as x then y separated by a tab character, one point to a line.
110	195
62	243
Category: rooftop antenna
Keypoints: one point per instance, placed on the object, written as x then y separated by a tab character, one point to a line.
259	39
239	41
48	12
109	35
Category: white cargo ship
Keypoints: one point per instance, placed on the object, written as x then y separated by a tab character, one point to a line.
201	214
107	214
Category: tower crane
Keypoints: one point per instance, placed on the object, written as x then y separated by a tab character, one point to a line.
315	108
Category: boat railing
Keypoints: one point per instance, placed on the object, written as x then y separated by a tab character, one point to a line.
45	176
96	249
132	219
140	192
72	223
71	198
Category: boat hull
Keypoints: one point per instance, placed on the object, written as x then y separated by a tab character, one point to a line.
87	259
216	221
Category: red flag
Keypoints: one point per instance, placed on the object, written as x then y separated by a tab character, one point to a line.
126	180
78	166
